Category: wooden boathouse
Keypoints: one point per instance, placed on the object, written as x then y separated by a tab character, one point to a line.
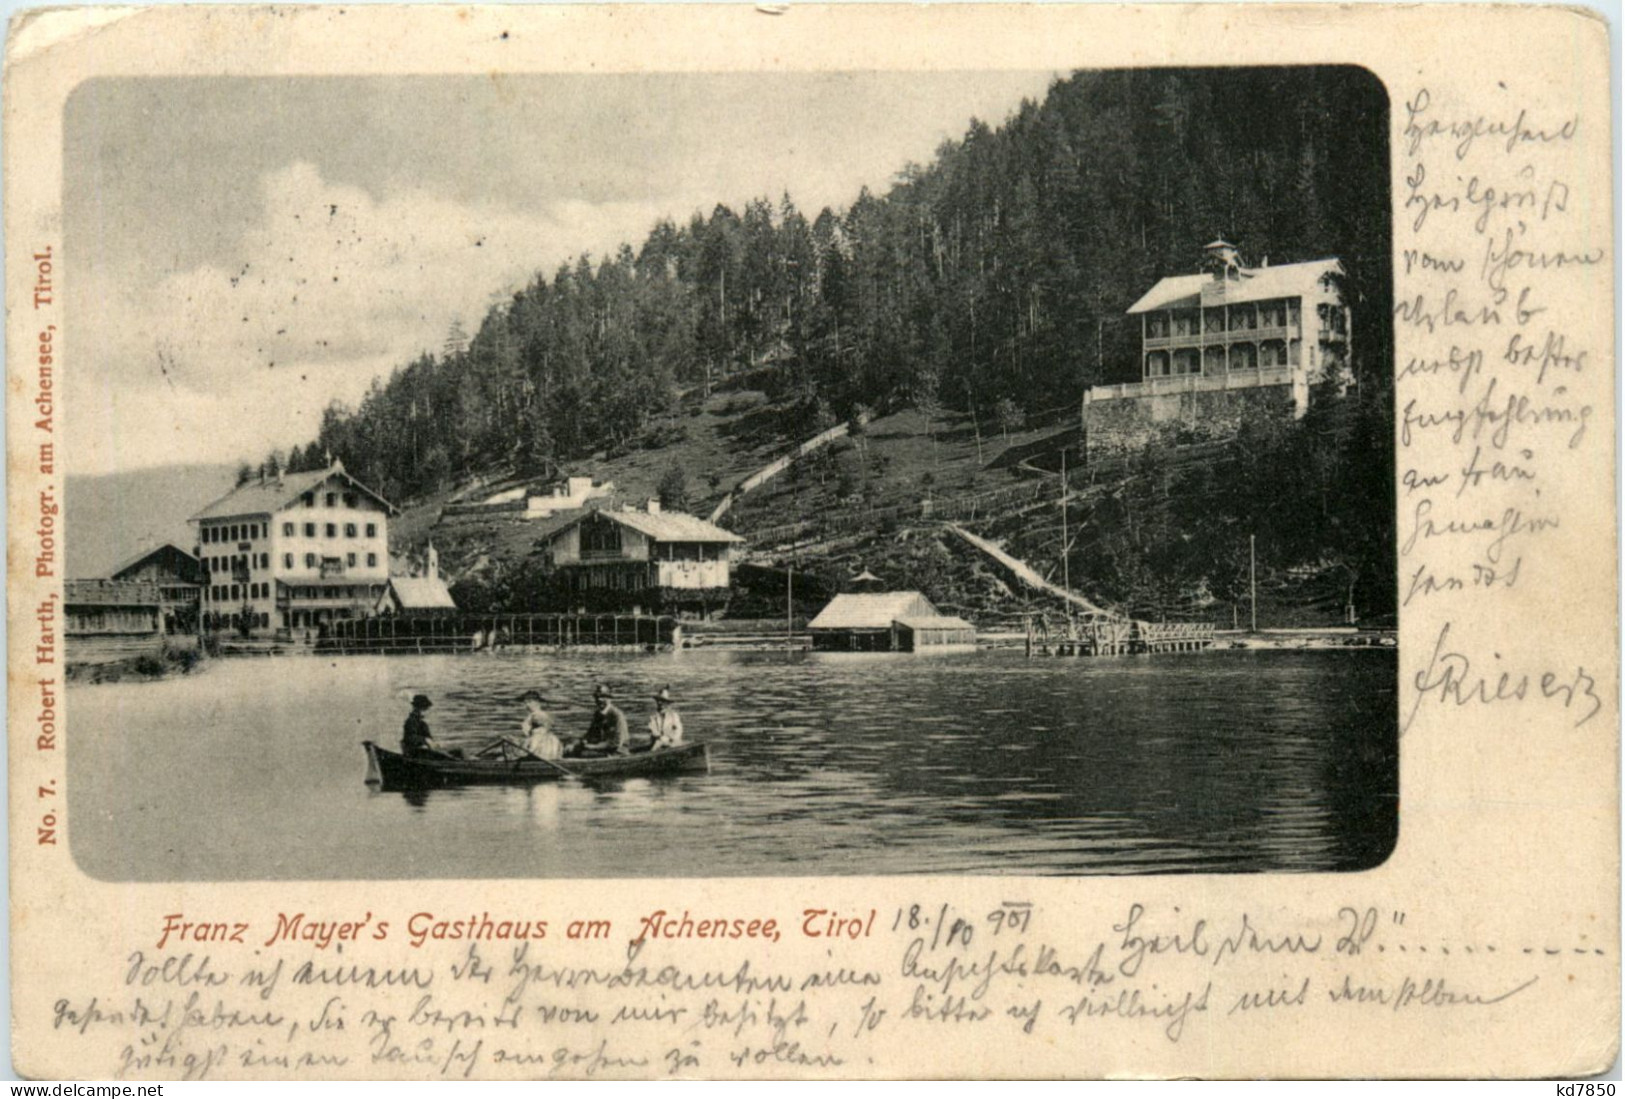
893	621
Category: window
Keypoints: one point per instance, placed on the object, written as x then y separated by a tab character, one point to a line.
310	560
349	559
372	530
332	530
287	530
287	560
372	560
332	497
308	499
349	530
234	592
310	530
231	533
602	537
265	560
349	499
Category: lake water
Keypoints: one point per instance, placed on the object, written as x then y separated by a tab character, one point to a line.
821	764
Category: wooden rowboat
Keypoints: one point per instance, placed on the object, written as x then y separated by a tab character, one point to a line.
393	771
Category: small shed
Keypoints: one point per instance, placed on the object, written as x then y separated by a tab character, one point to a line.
894	621
416	597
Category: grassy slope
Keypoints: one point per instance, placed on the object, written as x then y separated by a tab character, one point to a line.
895	465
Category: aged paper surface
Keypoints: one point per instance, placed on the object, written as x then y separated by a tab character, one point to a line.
1485	944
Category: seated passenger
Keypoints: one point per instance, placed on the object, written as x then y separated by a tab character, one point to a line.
536	731
607	735
665	725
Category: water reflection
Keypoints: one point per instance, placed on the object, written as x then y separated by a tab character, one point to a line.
866	764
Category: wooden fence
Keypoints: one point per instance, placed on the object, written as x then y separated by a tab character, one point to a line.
479	633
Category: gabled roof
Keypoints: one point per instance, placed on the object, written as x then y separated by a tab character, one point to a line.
664	526
1288	280
871	610
264	497
142	558
421	593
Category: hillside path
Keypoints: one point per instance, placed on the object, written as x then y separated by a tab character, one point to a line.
1026	573
777	466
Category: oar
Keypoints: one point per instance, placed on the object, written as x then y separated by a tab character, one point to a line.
528	754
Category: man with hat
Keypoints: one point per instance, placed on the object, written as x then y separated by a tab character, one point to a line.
415	737
665	725
607	735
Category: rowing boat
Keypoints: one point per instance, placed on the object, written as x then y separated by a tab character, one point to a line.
393	771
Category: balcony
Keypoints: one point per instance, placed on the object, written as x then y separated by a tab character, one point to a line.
1220	339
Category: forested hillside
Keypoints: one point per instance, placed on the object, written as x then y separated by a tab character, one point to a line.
997	275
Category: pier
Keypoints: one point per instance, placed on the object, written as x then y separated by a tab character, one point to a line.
1100	632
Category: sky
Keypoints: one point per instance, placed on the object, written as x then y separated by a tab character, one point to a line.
241	252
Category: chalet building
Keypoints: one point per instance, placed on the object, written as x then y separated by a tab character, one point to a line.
293	552
178	576
644	561
891	621
1224	340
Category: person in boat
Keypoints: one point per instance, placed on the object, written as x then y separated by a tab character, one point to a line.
665	725
536	731
416	740
607	734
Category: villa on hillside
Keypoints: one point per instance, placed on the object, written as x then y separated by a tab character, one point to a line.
1220	344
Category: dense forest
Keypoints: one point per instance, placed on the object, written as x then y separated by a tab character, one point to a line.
996	274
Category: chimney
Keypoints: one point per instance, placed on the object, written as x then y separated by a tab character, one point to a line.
653	506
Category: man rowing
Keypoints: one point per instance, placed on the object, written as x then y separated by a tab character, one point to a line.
416	740
607	734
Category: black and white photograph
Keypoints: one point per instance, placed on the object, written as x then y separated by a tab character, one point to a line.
713	475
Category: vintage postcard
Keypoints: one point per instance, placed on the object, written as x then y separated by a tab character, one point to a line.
854	541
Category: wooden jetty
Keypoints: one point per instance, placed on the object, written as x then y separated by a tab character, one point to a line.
1108	636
